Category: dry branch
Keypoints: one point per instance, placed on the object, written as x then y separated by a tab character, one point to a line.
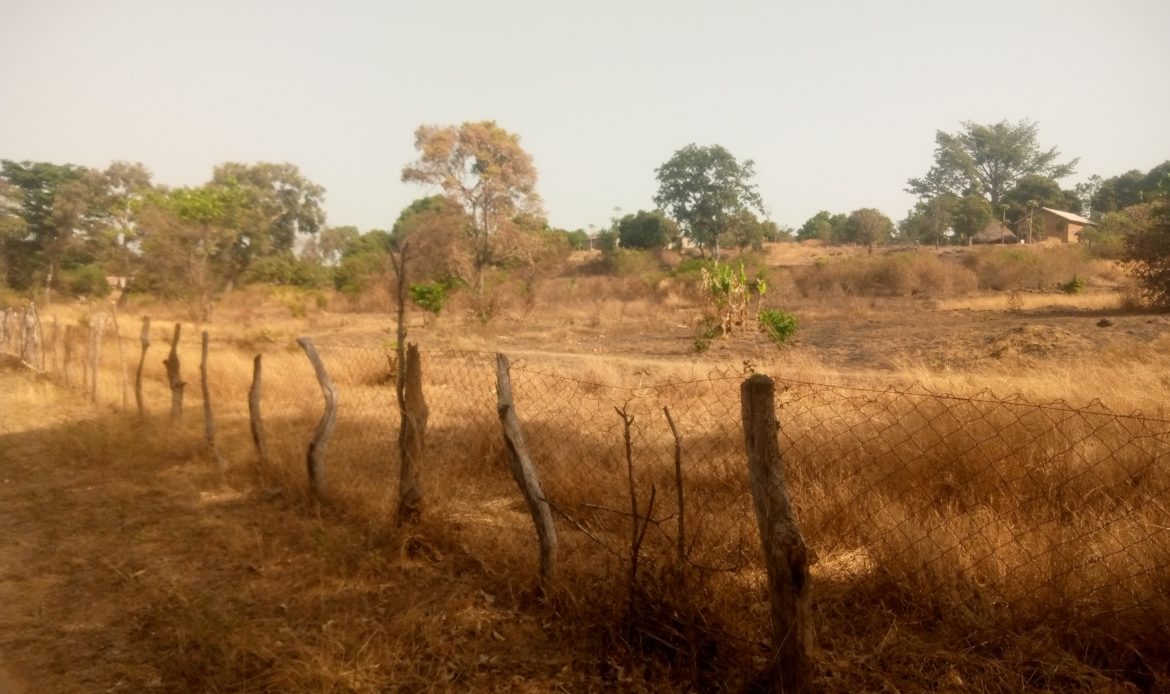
121	356
411	438
144	338
208	419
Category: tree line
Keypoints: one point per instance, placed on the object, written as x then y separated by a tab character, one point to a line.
68	229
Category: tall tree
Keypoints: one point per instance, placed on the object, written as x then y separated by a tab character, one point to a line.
988	160
276	203
869	227
482	168
704	188
48	221
1147	250
1130	188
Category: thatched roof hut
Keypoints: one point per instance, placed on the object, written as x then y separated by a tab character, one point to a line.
995	232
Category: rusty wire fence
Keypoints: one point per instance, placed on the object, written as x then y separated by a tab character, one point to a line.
981	509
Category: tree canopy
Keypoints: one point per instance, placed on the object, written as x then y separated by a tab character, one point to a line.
988	160
869	227
647	230
703	188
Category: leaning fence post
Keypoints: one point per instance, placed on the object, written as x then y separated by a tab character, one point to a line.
785	554
316	455
524	472
173	375
257	424
144	338
411	438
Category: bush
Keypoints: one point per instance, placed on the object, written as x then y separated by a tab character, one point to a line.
429	296
85	280
778	325
1147	249
1074	286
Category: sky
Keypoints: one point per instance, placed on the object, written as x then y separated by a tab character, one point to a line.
836	102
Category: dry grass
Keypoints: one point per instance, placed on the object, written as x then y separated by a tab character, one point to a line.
987	546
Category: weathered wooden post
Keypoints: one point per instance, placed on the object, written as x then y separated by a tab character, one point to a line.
785	554
524	472
51	348
205	389
122	380
67	359
144	338
97	327
316	455
411	437
173	375
257	424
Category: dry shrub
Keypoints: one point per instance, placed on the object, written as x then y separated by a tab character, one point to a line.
895	274
1040	267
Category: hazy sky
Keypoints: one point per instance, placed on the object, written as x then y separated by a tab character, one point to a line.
837	102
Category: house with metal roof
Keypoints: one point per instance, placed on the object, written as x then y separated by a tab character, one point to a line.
1058	225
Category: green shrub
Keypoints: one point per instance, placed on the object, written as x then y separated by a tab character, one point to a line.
85	280
1074	286
778	325
429	296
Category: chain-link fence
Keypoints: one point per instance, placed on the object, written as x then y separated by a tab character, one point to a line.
988	511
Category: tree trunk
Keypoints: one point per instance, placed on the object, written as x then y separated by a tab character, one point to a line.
174	377
785	554
411	439
524	472
324	431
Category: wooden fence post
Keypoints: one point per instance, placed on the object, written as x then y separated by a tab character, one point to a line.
411	438
316	455
173	375
144	338
121	356
205	389
524	472
785	554
97	327
67	358
257	424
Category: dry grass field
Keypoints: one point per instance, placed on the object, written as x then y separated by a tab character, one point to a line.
979	461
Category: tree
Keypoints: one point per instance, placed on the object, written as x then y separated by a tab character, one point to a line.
704	188
482	168
333	241
824	226
930	220
988	160
441	239
745	230
35	246
1147	250
647	230
869	227
970	215
274	203
1130	188
186	244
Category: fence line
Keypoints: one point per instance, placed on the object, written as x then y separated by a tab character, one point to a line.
981	509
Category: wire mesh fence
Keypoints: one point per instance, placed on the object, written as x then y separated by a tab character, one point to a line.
975	508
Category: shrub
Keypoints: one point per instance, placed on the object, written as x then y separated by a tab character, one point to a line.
429	296
778	325
1147	249
1074	286
85	280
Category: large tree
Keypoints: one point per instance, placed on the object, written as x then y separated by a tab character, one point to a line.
704	188
276	204
988	160
929	221
1130	188
49	200
483	169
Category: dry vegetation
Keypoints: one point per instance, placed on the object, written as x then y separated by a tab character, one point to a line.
968	543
